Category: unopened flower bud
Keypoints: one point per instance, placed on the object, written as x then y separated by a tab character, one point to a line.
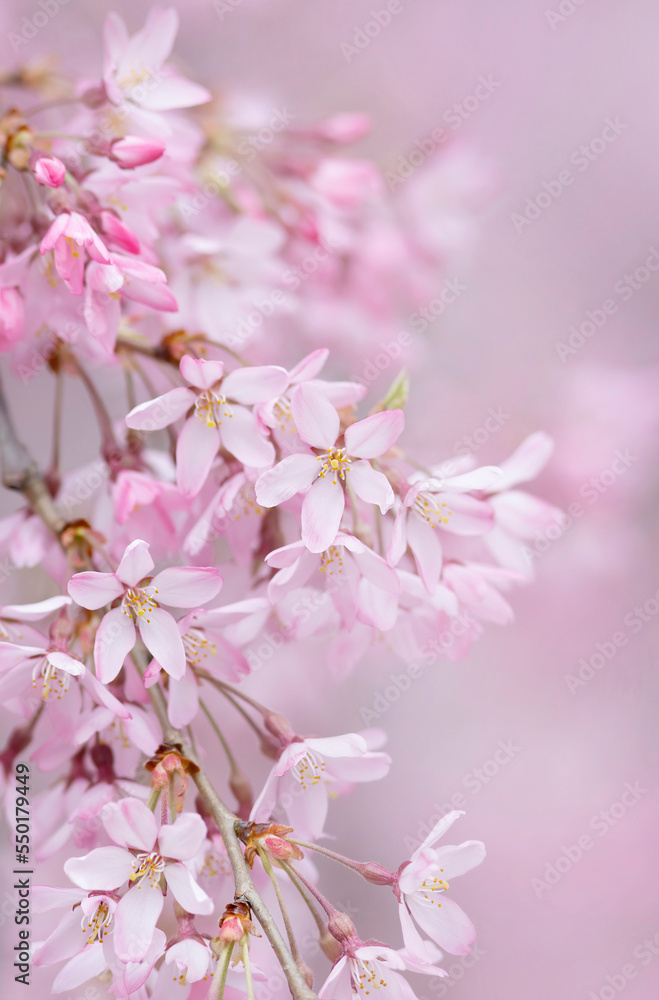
135	151
50	171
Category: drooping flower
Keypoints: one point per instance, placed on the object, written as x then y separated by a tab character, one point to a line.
300	782
177	586
143	854
221	416
70	236
422	887
433	503
324	478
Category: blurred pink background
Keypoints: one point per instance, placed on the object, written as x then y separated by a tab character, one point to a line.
558	71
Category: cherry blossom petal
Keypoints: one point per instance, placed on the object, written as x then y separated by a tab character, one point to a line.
102	868
371	486
309	366
94	590
527	461
316	419
115	638
67	938
196	449
439	829
200	373
183	699
102	696
322	510
192	958
455	860
186	891
181	840
161	411
162	638
376	607
370	766
338	985
374	435
130	823
62	661
443	921
135	920
241	435
468	516
346	745
256	384
187	586
306	808
290	476
427	550
33	612
136	563
87	964
376	569
485	478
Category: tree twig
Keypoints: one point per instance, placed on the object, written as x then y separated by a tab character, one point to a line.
21	473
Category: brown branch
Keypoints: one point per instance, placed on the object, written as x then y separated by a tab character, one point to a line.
20	472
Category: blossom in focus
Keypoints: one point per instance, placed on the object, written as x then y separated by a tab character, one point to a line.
422	887
221	416
324	478
70	237
177	586
301	780
143	854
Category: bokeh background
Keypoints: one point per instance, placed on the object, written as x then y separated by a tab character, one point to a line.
558	72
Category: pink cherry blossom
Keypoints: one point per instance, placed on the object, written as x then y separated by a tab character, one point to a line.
301	780
423	883
70	236
143	854
221	416
177	586
341	468
135	150
50	171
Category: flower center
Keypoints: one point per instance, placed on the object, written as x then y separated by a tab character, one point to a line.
51	678
149	867
308	771
331	560
432	885
197	647
211	407
97	925
138	604
335	465
431	510
366	976
283	415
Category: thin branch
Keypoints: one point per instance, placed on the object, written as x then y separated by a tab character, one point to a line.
21	473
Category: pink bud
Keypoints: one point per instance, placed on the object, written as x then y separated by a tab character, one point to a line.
119	233
232	929
135	151
12	315
49	170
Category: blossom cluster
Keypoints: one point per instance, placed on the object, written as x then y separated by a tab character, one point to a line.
189	257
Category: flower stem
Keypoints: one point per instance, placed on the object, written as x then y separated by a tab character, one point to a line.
216	991
282	905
